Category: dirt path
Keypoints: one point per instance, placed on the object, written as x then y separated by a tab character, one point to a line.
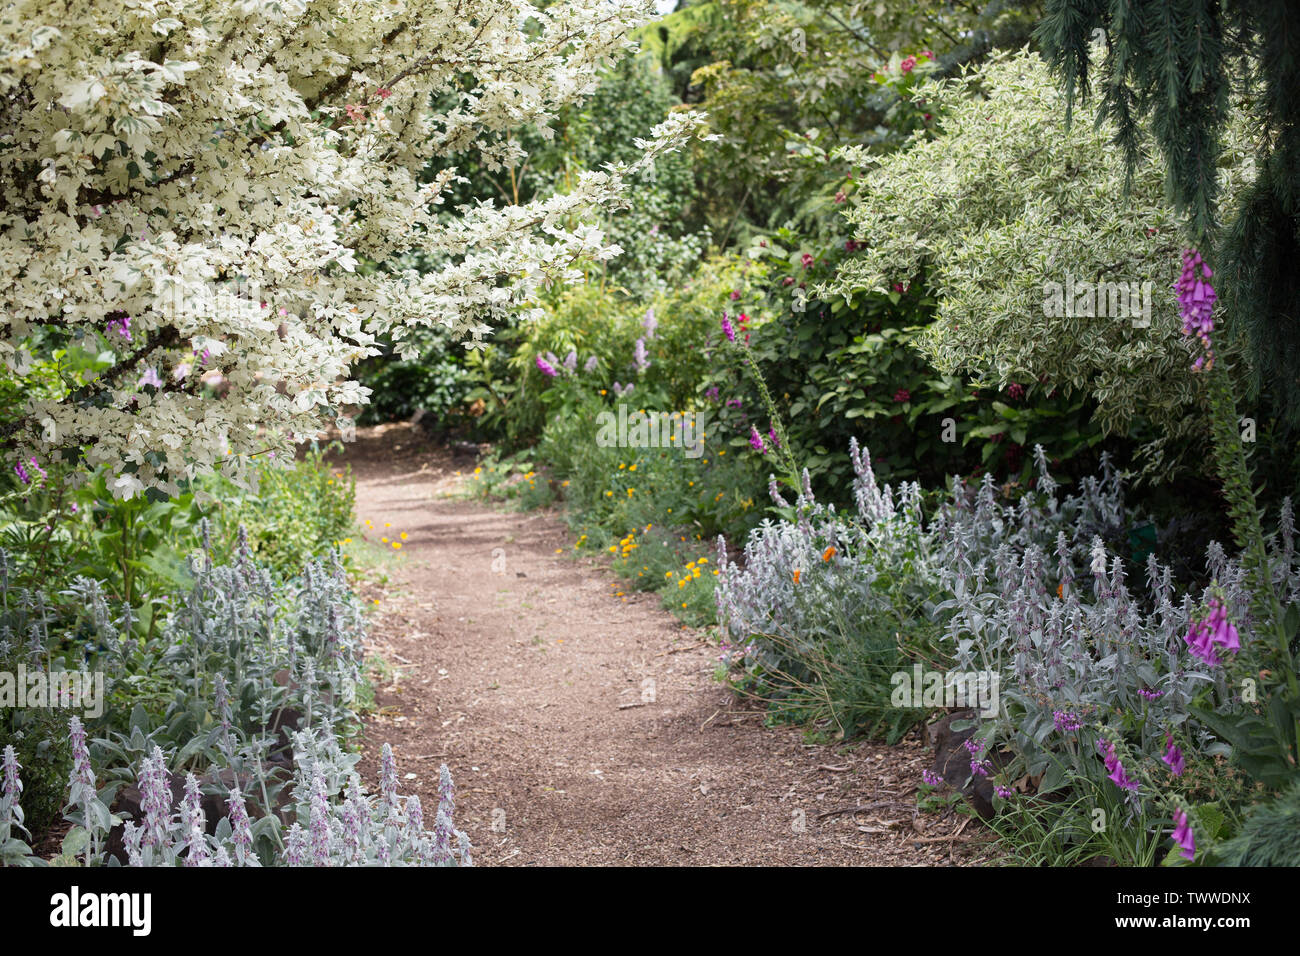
531	681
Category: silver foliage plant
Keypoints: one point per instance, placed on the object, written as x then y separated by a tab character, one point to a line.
1028	591
238	653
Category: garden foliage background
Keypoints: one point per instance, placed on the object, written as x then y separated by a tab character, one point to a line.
909	455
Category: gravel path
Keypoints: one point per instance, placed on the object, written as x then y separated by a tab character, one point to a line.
583	730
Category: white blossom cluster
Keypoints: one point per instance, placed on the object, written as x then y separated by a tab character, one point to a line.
219	194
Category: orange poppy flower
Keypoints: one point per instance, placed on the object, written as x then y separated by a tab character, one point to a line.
796	577
828	553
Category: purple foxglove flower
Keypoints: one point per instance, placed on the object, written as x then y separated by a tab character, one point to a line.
728	329
1183	835
1196	300
547	368
21	472
756	441
1173	756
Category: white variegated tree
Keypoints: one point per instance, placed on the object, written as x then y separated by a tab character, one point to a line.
221	195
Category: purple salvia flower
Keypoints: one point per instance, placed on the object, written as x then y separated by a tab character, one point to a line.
639	357
1066	721
591	364
571	360
1152	695
650	323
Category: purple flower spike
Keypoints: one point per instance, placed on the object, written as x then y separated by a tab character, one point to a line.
1183	835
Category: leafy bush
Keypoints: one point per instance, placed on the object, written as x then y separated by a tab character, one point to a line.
1008	198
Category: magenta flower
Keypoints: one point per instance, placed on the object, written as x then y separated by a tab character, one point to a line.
756	441
734	295
908	64
711	393
1151	694
1196	299
771	434
1066	721
930	778
1006	793
21	472
902	395
1174	757
547	368
728	329
1015	391
1183	835
806	259
1117	774
1214	631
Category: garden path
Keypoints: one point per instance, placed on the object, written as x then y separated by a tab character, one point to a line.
522	670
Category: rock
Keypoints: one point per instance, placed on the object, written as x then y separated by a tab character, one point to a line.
952	760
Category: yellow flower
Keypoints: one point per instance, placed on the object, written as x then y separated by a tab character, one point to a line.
631	468
385	540
403	535
703	561
668	574
559	551
397	546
